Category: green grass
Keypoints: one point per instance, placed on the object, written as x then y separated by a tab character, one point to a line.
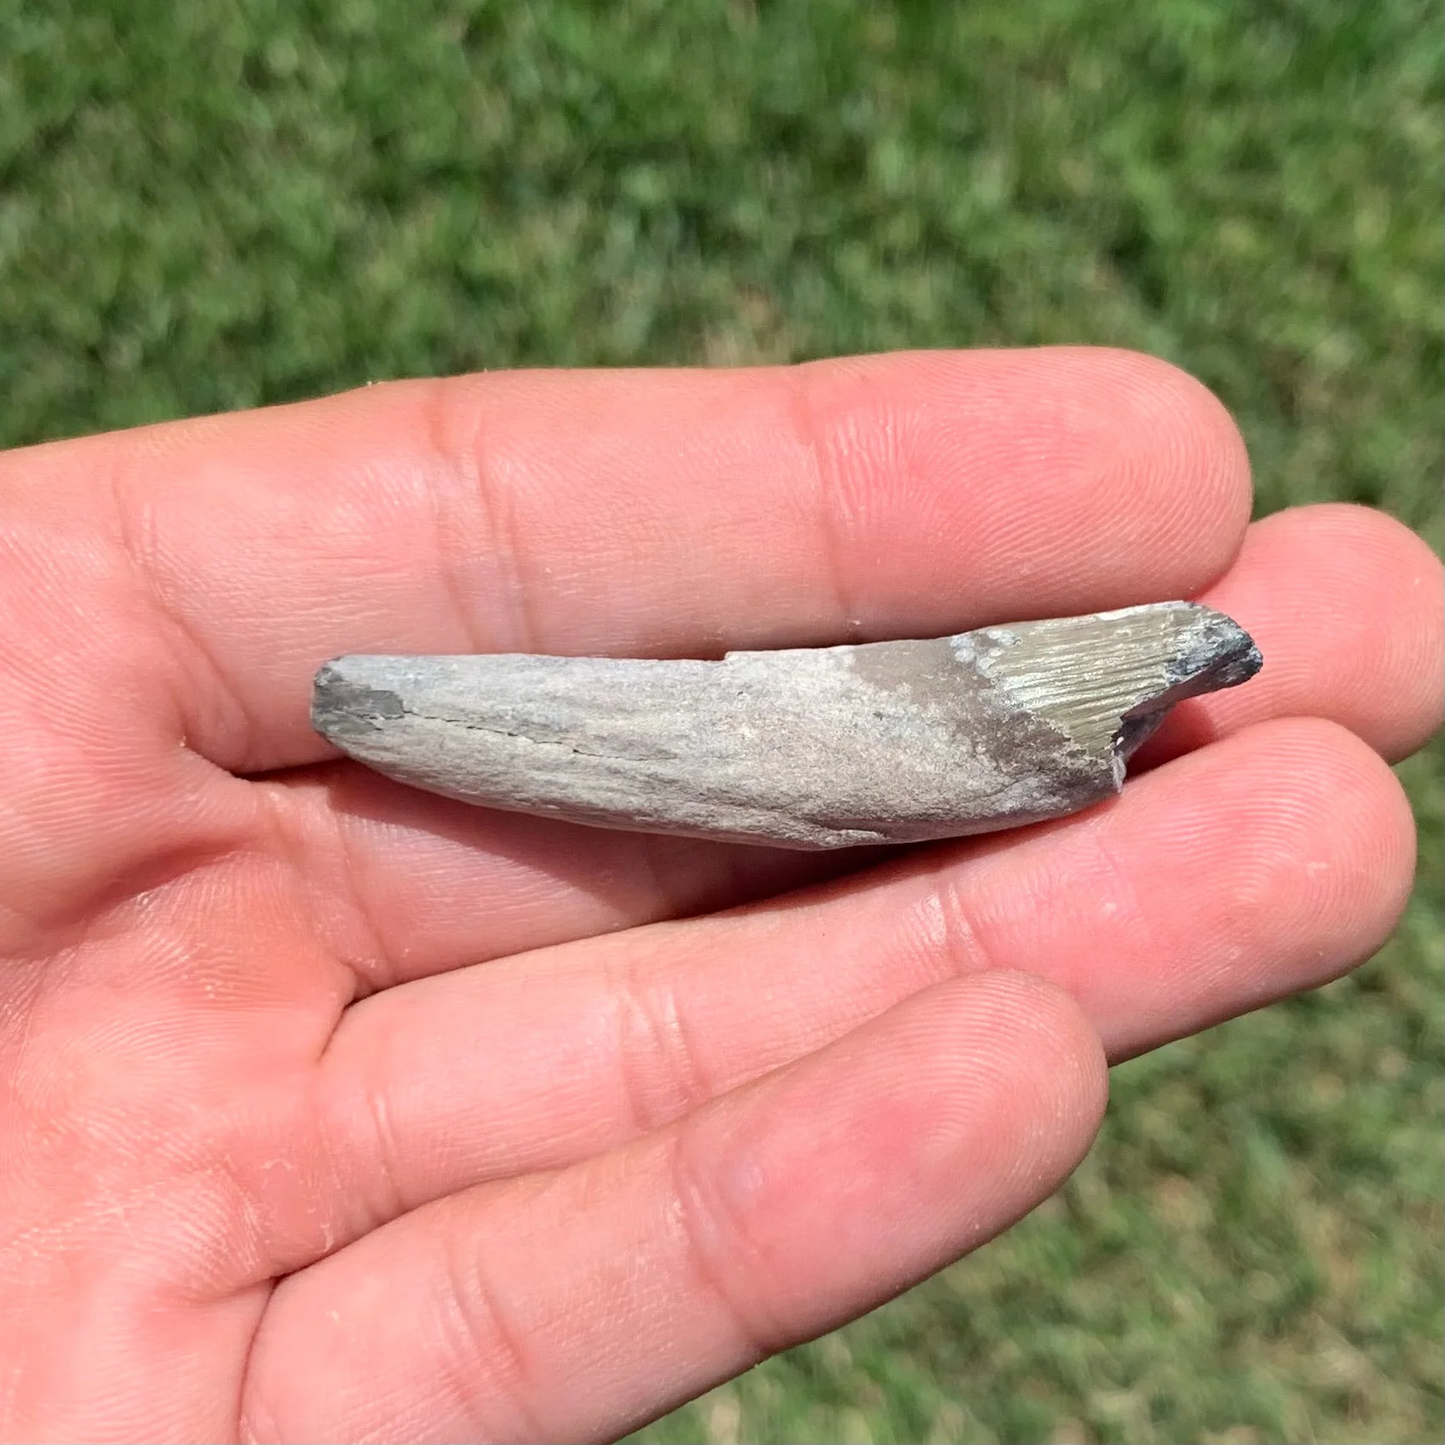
220	205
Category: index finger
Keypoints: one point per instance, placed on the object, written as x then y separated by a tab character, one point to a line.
635	512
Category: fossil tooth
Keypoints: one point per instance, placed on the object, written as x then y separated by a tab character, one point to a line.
884	742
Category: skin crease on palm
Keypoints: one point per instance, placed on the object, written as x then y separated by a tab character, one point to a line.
333	1111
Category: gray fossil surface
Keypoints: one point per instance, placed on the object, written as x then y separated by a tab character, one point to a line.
882	742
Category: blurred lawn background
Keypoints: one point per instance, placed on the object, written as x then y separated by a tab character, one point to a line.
229	203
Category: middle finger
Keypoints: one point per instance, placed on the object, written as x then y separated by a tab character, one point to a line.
1251	869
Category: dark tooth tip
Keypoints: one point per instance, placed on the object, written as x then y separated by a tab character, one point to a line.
1222	655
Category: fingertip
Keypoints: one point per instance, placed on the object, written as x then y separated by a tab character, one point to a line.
1362	868
1345	603
1042	480
1268	863
918	1136
1319	829
1405	582
1175	433
1046	1043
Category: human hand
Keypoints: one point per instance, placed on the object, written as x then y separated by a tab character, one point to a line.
335	1111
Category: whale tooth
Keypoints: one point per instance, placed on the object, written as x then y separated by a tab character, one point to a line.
883	742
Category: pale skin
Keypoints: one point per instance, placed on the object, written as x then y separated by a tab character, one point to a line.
333	1111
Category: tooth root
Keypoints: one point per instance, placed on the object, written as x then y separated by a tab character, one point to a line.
890	742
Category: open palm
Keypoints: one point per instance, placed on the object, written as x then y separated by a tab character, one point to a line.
332	1111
